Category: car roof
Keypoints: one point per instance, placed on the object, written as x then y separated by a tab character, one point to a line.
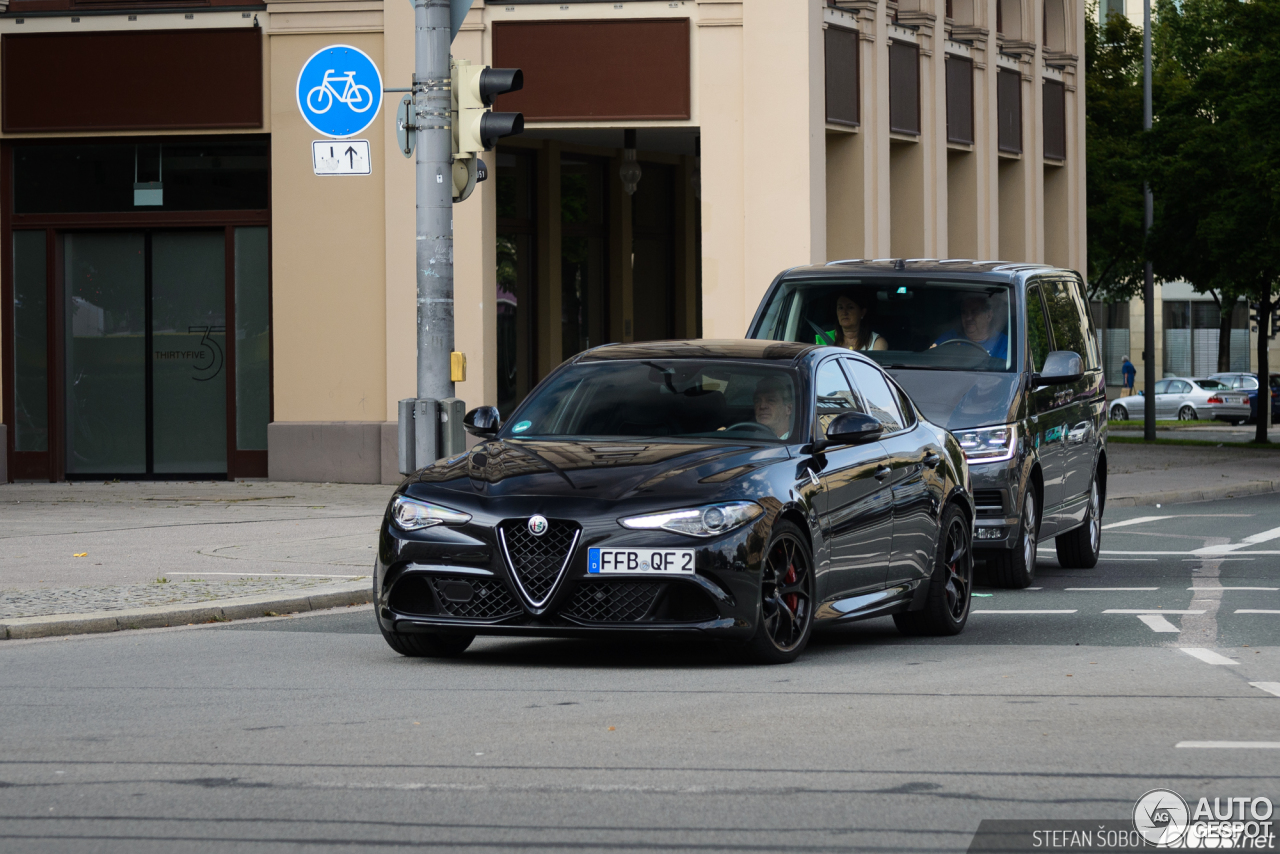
1003	271
729	348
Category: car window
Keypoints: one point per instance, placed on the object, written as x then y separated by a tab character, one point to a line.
904	405
1212	385
1037	329
833	395
1162	387
881	400
1067	321
1250	383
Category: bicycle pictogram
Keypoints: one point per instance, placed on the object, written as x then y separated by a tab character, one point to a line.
321	98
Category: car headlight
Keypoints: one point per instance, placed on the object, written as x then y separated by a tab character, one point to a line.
410	514
988	444
709	521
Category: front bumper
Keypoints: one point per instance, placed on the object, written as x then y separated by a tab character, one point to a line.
459	580
996	490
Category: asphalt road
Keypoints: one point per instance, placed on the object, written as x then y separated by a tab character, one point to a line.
308	734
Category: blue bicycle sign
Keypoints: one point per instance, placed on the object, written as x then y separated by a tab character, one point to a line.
339	91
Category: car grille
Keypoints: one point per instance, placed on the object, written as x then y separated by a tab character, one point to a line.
476	598
538	561
990	502
612	601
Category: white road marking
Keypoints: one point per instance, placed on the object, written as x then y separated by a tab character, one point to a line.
1111	588
1157	623
351	575
1269	687
1191	553
1137	521
1002	611
1148	611
1272	589
1208	656
1232	745
1255	539
1255	611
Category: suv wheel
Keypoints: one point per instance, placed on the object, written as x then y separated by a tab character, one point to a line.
1079	548
1016	567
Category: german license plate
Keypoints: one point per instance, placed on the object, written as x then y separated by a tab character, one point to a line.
640	561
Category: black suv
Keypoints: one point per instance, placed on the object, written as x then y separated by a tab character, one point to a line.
1004	356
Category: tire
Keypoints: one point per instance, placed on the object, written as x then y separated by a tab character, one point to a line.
1016	568
1119	413
946	607
427	645
1186	413
1079	547
786	599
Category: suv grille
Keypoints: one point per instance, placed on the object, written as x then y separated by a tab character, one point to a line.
989	502
537	562
612	601
476	598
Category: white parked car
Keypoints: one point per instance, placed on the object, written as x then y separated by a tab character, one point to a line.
1187	400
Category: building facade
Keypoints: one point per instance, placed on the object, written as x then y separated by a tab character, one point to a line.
184	296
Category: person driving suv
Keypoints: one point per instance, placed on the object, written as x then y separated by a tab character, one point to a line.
976	315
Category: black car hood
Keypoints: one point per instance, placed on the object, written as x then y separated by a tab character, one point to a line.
604	469
960	399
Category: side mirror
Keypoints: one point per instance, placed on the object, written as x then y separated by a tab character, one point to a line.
483	421
1060	367
853	428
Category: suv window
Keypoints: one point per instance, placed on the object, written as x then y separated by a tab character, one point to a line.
834	395
1070	326
881	400
1037	329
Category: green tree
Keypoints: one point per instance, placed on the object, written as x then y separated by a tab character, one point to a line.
1114	166
1214	154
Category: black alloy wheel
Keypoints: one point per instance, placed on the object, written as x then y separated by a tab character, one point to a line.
1015	568
1079	548
1119	413
422	645
946	607
786	598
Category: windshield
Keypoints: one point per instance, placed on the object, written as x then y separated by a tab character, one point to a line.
1212	385
677	398
937	325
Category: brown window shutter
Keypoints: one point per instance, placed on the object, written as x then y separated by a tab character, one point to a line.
841	47
1055	120
1009	110
904	88
959	100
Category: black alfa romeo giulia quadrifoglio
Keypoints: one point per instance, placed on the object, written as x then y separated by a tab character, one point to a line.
746	490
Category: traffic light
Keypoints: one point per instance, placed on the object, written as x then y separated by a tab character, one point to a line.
1255	312
475	126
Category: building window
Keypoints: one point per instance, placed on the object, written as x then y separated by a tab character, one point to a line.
904	88
1055	120
1009	110
516	239
1191	335
959	100
841	47
583	254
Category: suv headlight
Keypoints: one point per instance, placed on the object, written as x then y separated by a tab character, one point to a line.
711	520
988	444
410	514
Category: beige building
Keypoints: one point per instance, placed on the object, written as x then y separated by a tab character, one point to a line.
184	295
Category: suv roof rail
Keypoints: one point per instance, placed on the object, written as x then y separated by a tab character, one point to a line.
845	261
1021	266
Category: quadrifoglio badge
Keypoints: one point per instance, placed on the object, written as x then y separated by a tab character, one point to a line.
1166	821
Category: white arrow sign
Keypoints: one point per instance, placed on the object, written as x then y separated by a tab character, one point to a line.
341	157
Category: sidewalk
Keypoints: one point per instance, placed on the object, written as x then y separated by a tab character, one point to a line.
102	557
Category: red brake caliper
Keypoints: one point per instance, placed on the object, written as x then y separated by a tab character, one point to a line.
792	599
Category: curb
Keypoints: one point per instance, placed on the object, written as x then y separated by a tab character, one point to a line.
331	596
1186	496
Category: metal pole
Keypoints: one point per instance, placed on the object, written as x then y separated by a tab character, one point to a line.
431	99
1148	284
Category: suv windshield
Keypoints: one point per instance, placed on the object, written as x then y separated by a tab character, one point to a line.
937	325
682	398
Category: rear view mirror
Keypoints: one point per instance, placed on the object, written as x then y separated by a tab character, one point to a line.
1060	367
853	428
483	421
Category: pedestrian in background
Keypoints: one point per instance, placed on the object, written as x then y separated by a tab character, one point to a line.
1128	373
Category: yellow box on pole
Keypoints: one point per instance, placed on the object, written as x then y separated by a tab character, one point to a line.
458	367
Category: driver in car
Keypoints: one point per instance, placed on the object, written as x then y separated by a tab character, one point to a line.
773	405
976	327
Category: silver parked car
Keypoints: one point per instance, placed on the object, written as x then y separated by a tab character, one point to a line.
1187	400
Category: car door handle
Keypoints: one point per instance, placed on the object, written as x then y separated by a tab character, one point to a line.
931	460
883	472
